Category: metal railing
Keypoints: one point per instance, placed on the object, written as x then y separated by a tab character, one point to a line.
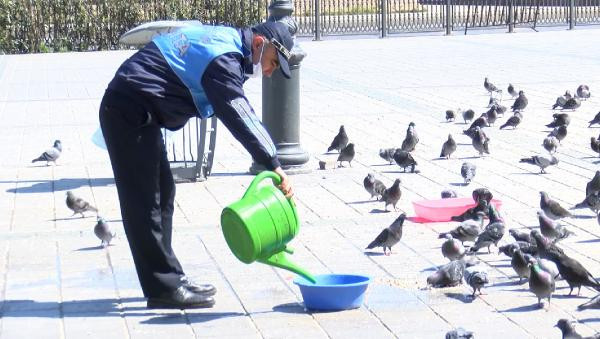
335	17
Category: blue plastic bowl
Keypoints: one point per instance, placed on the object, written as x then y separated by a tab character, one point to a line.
333	291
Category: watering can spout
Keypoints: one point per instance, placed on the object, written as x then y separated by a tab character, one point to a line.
281	261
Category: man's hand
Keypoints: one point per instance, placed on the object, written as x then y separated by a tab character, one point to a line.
286	185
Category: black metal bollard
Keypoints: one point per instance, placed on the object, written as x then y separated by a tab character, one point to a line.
281	101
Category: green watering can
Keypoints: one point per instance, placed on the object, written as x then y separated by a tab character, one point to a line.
259	226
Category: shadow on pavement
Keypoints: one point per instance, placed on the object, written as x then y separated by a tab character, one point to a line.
178	318
65	184
527	308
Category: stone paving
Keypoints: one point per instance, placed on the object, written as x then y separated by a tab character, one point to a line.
56	282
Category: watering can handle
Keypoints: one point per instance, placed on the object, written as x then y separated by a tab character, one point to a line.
259	178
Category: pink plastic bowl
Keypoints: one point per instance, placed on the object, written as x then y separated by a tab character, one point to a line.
444	209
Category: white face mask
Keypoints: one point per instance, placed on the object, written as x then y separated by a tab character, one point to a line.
257	68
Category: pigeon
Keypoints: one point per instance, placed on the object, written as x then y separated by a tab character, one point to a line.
511	91
574	273
520	103
404	159
482	193
346	154
448	147
339	141
596	120
583	92
569	332
448	193
520	264
476	277
500	110
468	115
592	202
559	133
552	208
513	121
521	235
492	234
103	231
468	230
523	246
390	236
391	195
561	100
78	205
491	115
481	142
50	155
450	115
452	248
549	266
593	186
472	213
572	104
480	122
491	88
411	140
374	186
541	283
545	248
460	333
559	119
540	161
551	229
592	304
387	154
550	144
467	171
595	145
448	275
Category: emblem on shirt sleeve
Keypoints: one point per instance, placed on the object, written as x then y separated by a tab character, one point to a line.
181	43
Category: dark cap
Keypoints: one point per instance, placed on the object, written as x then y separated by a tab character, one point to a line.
279	36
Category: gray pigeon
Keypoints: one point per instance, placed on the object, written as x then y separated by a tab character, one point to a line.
583	92
500	109
339	141
540	161
480	122
468	230
592	304
448	193
78	205
50	155
520	263
468	115
559	119
392	195
480	142
411	140
476	277
572	104
448	275
482	193
448	147
595	145
593	186
552	208
387	154
592	202
550	144
573	272
561	100
520	103
551	229
460	333
467	171
452	248
549	266
559	133
103	231
511	91
405	159
491	235
569	332
450	115
374	186
390	236
596	120
491	88
520	235
525	247
541	283
346	154
492	115
513	121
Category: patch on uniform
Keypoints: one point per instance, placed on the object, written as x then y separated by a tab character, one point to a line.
181	43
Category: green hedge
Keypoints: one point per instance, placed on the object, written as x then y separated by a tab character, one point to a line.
30	26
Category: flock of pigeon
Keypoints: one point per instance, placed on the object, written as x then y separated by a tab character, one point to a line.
535	254
76	204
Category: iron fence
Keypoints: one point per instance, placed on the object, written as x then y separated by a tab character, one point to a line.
334	17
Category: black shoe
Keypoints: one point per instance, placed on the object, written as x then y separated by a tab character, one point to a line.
203	289
181	298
